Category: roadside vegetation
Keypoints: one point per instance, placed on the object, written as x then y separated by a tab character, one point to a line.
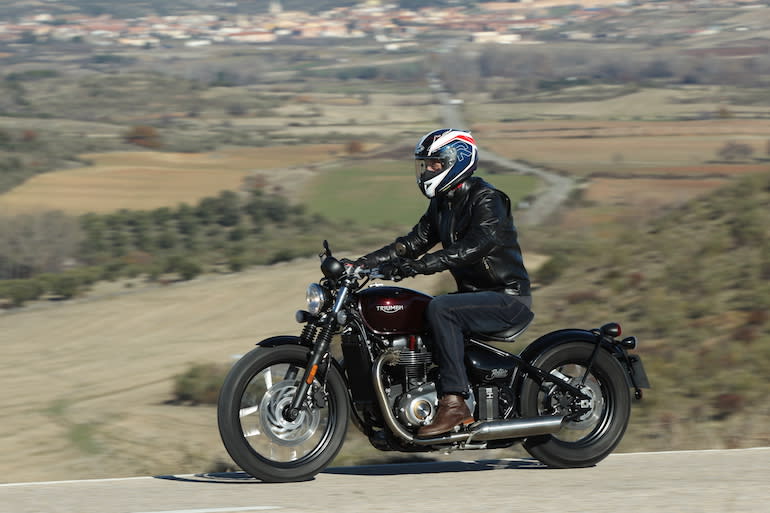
52	255
692	285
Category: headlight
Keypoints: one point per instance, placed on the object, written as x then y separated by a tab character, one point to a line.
316	297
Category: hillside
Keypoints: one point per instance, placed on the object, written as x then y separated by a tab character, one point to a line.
694	286
88	382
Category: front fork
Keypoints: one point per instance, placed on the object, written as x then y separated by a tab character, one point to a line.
318	363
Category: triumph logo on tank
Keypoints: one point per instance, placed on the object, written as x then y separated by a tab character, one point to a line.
390	309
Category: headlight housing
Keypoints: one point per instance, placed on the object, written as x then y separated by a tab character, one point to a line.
317	298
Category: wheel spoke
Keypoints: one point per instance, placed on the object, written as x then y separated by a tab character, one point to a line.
263	422
244	412
253	432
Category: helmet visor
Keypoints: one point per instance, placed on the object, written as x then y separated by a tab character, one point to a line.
427	169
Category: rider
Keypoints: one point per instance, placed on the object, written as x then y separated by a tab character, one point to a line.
473	222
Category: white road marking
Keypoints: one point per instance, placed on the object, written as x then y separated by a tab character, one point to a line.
214	510
107	480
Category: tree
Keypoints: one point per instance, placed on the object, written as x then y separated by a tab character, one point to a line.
735	151
42	242
145	136
353	147
228	209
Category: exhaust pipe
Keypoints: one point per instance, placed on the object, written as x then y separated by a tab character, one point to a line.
486	430
515	428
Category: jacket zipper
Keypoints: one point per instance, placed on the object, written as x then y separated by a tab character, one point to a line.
489	269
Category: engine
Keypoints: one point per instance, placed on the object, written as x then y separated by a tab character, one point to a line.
412	392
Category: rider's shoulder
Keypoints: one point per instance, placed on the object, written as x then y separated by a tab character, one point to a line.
478	187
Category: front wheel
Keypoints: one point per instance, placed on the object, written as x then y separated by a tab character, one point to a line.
595	426
252	423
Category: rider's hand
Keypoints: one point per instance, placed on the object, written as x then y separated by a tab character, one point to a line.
410	267
390	271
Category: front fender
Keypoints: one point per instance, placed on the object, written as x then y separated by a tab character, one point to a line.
280	340
285	340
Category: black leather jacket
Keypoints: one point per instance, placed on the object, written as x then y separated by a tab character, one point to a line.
475	227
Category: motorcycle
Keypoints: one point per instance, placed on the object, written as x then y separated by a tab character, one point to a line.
284	407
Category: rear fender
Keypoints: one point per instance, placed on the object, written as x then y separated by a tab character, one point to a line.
555	338
559	337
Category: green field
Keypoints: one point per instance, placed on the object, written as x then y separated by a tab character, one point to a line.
384	193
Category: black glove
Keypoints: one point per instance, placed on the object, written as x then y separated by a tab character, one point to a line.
410	267
429	263
390	271
375	258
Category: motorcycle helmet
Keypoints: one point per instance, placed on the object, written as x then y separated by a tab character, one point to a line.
455	151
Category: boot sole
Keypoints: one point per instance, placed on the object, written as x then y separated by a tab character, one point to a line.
463	423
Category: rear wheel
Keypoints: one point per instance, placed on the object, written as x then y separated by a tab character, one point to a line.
595	426
256	433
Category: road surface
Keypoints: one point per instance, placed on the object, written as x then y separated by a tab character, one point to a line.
678	482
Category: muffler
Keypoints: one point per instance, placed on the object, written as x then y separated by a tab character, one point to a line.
515	428
480	431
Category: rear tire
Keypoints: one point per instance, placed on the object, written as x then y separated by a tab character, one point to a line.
585	441
253	429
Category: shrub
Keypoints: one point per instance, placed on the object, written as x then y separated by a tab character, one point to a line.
282	255
583	296
552	269
186	268
727	404
65	285
200	384
21	291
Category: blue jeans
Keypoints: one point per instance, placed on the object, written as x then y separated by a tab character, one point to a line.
452	315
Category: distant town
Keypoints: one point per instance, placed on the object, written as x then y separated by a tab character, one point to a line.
490	22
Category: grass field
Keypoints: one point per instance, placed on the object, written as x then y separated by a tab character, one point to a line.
383	192
147	180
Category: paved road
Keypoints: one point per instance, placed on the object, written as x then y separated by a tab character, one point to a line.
678	482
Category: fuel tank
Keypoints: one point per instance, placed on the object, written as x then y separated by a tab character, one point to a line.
393	310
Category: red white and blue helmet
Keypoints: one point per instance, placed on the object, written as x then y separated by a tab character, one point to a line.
458	154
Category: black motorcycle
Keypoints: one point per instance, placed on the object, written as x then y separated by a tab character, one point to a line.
284	407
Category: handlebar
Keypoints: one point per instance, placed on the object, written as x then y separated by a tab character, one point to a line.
386	272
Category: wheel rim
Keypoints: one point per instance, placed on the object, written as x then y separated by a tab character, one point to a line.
269	435
593	419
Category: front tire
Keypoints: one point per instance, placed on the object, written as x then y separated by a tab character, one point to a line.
255	432
588	438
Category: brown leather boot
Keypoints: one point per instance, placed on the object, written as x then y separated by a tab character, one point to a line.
452	411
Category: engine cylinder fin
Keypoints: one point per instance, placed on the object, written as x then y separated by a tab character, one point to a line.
414	358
